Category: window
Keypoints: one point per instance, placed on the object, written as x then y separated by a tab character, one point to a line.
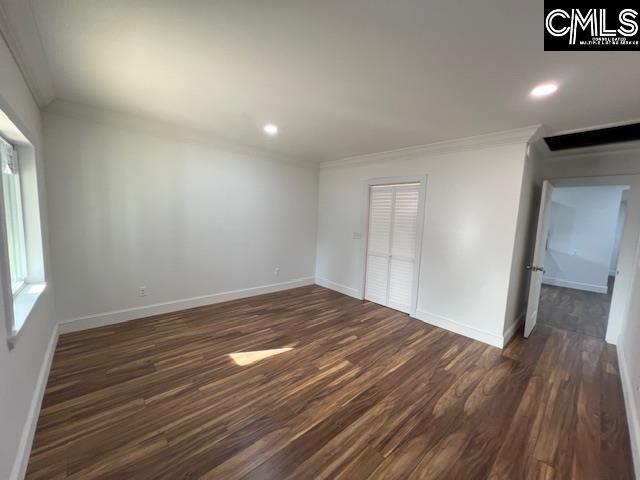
22	272
13	216
21	258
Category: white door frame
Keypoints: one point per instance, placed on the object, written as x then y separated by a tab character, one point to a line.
631	235
422	179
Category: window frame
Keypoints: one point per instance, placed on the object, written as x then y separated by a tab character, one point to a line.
17	256
21	177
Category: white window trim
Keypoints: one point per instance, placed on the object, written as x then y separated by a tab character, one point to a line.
16	291
18	303
23	304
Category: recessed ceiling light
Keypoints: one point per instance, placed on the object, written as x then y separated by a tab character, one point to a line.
271	129
544	89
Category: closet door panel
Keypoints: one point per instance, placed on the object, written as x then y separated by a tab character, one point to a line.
377	281
379	244
405	222
400	284
380	211
404	226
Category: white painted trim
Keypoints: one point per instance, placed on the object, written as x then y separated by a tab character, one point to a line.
5	279
23	304
631	402
26	439
509	137
588	287
351	292
438	320
513	328
460	328
124	315
433	319
17	22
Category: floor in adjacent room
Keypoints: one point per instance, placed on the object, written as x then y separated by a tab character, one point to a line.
363	392
576	310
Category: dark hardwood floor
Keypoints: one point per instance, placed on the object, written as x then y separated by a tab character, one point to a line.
363	392
576	310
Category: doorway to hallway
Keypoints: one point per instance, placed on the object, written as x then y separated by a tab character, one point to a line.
581	250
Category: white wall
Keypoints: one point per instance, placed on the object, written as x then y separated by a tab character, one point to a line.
622	215
131	206
472	203
629	361
20	367
582	236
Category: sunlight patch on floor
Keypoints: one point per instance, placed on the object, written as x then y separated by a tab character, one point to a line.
247	358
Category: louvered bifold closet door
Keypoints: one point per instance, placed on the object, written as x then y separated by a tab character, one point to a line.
391	247
404	227
379	244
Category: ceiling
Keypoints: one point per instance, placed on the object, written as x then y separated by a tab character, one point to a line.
340	78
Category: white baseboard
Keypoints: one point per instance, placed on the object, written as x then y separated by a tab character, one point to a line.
631	402
26	439
512	329
588	287
119	316
430	318
460	328
352	292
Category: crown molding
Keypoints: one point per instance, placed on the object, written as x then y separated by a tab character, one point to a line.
20	32
134	123
509	137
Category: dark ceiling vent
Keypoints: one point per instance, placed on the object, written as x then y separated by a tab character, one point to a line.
590	138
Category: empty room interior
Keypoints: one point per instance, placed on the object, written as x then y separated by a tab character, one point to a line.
581	259
319	240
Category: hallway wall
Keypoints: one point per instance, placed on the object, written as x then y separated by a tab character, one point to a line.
582	236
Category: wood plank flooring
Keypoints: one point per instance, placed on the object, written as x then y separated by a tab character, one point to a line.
364	392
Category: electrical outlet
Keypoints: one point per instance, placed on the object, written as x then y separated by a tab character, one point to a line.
276	270
142	291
